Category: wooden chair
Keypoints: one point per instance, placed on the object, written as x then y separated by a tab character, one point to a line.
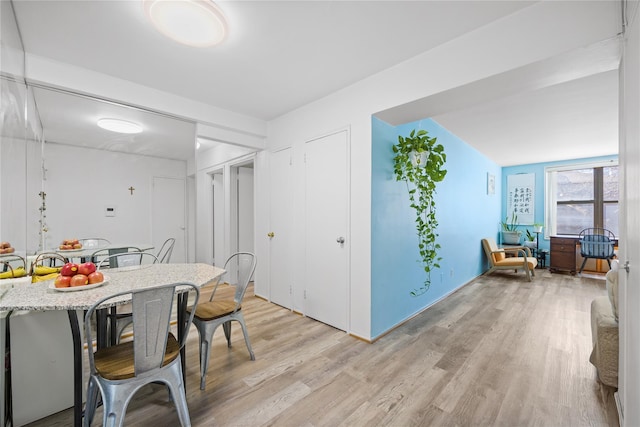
153	356
215	312
521	258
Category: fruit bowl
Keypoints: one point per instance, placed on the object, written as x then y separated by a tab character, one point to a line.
79	288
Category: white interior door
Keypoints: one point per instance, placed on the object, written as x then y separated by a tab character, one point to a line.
169	215
280	235
326	229
217	240
244	200
629	292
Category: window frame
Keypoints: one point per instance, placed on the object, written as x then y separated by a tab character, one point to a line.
550	186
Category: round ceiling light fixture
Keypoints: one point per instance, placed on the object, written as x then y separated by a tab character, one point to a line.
120	126
198	23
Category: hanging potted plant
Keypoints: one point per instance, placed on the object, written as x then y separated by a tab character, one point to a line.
510	233
419	162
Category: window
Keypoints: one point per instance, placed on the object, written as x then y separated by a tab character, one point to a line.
580	197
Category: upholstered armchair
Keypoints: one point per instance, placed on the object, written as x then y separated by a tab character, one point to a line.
520	258
604	331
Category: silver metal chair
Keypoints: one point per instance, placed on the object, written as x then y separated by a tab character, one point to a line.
126	259
13	265
98	256
596	243
94	242
164	254
215	312
118	372
119	321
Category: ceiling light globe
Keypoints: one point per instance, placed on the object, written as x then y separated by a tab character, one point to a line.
119	126
197	23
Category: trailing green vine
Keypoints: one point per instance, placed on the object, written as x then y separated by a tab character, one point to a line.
419	162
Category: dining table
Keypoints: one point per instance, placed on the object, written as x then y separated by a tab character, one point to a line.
43	296
85	252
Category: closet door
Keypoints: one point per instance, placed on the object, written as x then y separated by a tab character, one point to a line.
169	215
280	231
326	229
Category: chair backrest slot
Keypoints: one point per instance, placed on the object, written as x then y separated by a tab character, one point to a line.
151	320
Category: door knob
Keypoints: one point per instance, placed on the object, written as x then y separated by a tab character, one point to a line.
340	240
270	234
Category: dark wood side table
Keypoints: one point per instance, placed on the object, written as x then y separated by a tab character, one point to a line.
563	254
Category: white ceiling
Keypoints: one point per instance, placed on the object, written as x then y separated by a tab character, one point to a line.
281	55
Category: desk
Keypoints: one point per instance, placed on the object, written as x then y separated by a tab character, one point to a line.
38	297
565	254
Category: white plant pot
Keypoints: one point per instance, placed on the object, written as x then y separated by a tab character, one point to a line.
511	237
419	159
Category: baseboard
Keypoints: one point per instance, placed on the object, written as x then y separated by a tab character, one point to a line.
616	396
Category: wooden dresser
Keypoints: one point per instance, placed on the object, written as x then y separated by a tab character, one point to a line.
563	254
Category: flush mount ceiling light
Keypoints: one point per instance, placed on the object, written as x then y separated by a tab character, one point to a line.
120	126
197	23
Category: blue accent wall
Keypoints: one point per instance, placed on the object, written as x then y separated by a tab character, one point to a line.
465	212
538	170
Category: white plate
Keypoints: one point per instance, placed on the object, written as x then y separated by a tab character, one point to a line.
64	251
78	288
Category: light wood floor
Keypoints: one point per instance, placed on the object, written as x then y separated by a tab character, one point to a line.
499	352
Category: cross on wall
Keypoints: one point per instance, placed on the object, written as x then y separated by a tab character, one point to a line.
131	189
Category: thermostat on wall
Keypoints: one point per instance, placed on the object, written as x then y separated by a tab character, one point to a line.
109	211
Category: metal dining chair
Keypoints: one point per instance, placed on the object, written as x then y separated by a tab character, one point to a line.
118	322
101	254
164	254
153	356
93	243
215	312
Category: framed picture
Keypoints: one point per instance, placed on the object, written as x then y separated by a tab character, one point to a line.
491	184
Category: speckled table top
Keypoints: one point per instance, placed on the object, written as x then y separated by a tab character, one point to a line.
42	296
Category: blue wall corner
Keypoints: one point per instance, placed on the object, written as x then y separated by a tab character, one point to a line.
465	212
539	170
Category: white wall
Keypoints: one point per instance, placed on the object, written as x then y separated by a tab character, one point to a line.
473	56
81	182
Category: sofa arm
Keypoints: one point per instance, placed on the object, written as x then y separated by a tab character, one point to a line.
604	333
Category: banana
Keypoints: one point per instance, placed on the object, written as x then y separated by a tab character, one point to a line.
17	272
42	270
36	279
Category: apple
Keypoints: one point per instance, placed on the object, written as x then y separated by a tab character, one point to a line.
62	281
9	250
96	277
69	269
77	246
86	268
79	280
